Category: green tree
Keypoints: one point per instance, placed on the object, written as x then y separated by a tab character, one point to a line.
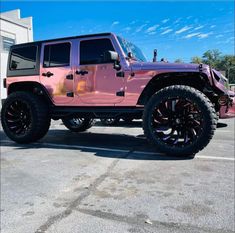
211	57
196	60
227	64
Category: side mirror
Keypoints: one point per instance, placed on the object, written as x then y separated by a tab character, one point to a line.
111	56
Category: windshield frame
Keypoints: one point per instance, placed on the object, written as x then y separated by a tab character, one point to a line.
130	47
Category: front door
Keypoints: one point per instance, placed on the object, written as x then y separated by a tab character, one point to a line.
56	73
96	82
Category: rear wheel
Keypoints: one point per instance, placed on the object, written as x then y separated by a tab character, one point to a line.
179	120
25	117
77	124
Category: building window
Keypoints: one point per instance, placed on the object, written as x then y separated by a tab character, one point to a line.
7	43
92	51
57	55
23	58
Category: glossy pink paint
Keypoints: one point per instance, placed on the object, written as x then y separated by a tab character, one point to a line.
100	85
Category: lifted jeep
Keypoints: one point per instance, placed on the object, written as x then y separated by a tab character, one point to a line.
80	78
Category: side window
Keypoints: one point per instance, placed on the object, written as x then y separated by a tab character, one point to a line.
23	58
92	51
56	55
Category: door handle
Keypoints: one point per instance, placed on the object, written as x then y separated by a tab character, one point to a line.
47	74
81	72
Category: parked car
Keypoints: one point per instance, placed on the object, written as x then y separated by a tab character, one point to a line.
80	78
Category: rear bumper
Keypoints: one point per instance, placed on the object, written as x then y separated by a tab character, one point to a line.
229	110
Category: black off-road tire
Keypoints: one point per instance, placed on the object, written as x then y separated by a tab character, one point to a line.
110	121
207	112
217	117
38	117
76	124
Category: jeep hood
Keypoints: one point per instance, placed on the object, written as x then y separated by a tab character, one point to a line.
165	66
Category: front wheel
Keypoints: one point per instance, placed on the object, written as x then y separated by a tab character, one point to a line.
179	120
25	117
77	124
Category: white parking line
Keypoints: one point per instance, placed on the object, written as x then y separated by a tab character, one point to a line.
120	150
222	131
214	157
197	156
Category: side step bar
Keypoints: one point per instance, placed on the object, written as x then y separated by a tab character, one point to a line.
96	112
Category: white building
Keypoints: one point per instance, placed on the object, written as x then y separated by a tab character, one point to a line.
13	30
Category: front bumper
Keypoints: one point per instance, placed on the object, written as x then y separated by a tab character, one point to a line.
228	111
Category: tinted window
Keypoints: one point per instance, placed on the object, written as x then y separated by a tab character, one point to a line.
23	58
57	55
92	51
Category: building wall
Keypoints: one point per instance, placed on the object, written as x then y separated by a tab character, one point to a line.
13	30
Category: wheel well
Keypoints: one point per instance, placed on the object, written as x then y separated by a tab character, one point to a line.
196	80
33	87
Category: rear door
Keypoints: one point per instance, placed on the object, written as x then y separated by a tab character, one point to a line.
56	72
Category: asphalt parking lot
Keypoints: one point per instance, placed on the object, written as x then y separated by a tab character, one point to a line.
110	180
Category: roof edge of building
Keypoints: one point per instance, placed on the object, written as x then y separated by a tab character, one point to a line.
13	16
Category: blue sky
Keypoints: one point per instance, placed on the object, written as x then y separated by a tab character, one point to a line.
178	29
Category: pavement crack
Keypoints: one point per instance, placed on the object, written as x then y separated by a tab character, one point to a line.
140	222
75	203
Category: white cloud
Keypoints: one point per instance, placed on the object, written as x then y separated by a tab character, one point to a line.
152	28
219	36
199	27
140	28
230	39
115	23
212	26
191	35
165	20
204	35
166	32
177	20
127	29
164	28
184	29
152	33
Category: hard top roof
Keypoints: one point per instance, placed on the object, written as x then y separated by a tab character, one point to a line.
64	38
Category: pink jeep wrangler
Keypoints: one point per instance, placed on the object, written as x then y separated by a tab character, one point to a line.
80	78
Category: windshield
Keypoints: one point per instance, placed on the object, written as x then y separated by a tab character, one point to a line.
129	47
